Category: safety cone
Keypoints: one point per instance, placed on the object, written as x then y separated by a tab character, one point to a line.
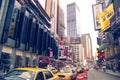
85	75
80	77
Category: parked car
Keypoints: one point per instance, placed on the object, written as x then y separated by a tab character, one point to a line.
30	74
66	74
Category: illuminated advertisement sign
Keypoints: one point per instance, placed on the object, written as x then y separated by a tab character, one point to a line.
97	10
106	16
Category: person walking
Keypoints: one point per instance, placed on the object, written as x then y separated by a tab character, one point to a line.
114	67
119	66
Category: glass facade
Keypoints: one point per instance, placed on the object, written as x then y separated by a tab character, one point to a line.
72	21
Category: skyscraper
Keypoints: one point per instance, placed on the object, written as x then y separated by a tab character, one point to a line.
87	45
73	24
55	11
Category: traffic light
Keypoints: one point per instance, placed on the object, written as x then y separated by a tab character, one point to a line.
100	55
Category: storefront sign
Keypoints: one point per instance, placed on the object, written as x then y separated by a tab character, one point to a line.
7	49
18	52
27	54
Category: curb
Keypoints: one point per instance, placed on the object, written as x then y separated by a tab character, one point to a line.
111	73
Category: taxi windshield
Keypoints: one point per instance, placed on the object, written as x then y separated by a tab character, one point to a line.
66	70
20	75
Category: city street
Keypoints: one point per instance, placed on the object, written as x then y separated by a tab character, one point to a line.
99	75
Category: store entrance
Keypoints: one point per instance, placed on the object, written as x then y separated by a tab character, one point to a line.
18	61
27	62
5	62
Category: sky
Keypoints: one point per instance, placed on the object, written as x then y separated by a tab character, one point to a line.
86	19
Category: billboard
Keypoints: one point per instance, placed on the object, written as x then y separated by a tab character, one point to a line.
97	10
106	16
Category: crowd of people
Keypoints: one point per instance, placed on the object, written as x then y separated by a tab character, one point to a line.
109	66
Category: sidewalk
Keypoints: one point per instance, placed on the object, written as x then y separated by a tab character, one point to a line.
111	72
1	73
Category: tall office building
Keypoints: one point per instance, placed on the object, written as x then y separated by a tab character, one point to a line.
78	51
55	11
87	45
52	11
60	19
73	24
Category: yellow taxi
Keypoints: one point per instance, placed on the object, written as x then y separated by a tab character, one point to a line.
66	74
30	74
54	71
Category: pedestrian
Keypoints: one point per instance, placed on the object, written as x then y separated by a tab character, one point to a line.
11	67
119	66
114	67
104	68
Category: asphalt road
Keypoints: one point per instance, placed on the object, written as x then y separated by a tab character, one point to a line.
99	75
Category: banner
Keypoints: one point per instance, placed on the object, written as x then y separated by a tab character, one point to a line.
39	37
40	40
24	26
35	37
32	33
7	22
3	13
14	28
14	21
0	3
97	10
18	30
29	25
43	42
